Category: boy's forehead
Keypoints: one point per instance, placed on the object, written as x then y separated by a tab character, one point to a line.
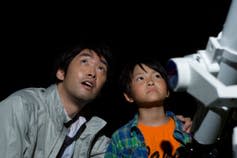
140	68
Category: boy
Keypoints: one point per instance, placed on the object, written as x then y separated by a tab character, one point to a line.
153	132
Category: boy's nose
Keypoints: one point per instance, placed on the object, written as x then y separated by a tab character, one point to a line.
150	82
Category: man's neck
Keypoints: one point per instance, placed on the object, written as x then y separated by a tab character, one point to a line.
71	106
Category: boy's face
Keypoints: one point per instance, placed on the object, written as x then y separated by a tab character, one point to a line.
147	86
86	75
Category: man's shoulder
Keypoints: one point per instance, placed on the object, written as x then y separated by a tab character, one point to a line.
27	91
28	98
23	103
31	93
22	94
27	94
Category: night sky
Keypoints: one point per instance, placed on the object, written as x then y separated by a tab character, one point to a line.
32	34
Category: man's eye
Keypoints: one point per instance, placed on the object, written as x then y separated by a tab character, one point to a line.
84	61
102	68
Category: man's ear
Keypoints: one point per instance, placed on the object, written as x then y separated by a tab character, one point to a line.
128	98
168	94
60	74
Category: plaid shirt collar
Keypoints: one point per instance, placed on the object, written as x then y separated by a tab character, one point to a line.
179	134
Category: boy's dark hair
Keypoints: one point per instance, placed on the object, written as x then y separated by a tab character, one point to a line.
127	71
101	48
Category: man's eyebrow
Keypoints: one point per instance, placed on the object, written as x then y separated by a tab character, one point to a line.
86	54
102	59
89	54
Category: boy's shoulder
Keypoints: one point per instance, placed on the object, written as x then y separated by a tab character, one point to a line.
125	130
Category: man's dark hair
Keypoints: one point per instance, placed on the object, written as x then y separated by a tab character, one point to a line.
101	48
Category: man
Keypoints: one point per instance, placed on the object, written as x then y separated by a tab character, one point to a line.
35	122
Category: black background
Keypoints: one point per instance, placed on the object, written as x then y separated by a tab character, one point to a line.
33	33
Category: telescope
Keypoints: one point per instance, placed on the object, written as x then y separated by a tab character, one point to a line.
210	76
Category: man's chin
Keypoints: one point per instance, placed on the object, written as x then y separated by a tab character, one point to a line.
89	98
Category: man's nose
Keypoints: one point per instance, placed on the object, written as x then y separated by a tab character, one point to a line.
92	73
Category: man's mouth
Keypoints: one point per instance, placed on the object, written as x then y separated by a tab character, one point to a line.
88	84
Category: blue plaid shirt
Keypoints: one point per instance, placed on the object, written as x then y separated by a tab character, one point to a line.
128	140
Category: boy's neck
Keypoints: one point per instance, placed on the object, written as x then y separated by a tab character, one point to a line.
154	116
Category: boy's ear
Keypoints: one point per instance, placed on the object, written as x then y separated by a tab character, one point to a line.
60	74
128	98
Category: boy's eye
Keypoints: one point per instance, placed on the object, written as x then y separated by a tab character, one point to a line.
158	76
140	78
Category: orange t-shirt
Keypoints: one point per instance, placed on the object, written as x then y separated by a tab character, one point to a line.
159	140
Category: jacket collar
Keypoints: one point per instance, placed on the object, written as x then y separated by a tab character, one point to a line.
56	107
59	116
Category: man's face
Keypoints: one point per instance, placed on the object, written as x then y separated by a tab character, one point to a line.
86	75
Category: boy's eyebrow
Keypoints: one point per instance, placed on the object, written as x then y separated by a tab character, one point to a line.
144	72
139	73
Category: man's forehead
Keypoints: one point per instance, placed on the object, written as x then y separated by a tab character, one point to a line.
89	52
